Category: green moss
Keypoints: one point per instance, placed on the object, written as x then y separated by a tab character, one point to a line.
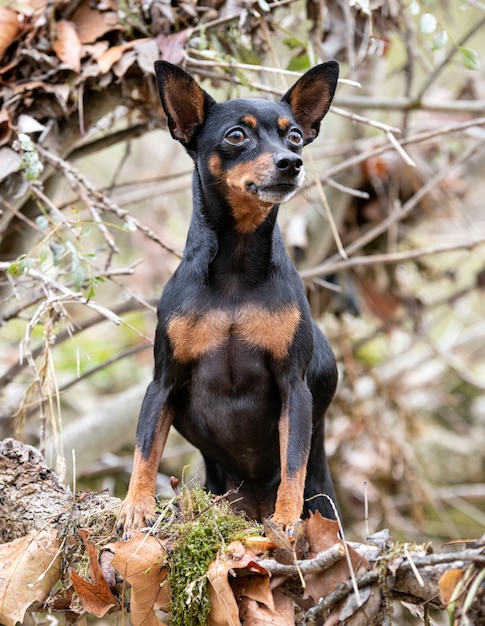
209	524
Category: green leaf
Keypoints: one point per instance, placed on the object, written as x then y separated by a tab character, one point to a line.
78	275
440	40
44	255
72	249
293	43
57	250
16	269
299	63
470	59
428	23
42	223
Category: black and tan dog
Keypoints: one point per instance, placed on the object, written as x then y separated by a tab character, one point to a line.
241	370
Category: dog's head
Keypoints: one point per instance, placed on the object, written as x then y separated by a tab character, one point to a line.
250	148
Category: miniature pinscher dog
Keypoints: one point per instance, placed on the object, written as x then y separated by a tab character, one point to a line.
241	370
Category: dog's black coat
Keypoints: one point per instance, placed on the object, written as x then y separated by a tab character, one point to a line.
241	370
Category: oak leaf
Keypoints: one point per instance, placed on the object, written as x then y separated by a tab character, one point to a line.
29	567
138	561
96	597
322	534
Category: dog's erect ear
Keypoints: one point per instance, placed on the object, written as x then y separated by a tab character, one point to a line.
311	96
184	102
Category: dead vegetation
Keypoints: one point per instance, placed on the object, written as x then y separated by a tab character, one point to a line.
389	236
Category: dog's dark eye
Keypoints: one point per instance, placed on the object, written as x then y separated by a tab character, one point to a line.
295	137
235	136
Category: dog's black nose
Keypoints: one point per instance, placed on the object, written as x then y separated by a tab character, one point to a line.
288	163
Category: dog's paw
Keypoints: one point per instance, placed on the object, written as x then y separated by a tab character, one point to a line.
136	515
281	534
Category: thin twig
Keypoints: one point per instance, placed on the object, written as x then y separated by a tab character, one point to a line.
81	183
396	216
390	258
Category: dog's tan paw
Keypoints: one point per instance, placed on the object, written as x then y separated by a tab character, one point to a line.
136	515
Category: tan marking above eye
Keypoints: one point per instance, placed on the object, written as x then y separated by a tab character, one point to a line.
250	120
192	336
283	123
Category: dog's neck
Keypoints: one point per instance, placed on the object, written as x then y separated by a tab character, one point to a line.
214	242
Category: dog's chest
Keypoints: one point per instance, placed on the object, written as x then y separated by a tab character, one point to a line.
192	335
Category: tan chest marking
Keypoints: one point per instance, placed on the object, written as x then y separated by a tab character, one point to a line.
194	335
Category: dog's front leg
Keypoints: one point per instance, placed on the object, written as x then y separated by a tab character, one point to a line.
295	437
156	418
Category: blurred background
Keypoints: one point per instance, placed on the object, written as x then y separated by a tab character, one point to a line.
389	233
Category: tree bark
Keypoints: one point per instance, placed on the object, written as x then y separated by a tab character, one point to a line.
32	498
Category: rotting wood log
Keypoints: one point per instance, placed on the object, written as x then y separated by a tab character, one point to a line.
33	498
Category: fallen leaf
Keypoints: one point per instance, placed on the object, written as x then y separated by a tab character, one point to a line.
92	24
10	28
447	584
146	54
138	561
254	614
67	45
112	55
10	162
29	568
322	534
172	46
258	588
224	609
96	597
260	544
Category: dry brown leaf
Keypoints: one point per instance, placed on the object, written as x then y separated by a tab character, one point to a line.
92	24
10	28
138	561
259	543
321	534
29	568
67	45
258	588
224	610
111	56
95	597
447	584
254	614
172	46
